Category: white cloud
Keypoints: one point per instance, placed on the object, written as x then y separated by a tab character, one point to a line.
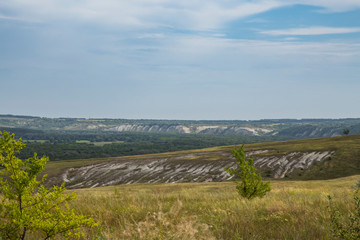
11	18
219	35
317	30
211	16
332	5
291	39
211	54
182	14
151	35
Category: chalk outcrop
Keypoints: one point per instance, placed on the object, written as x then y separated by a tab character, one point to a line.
194	167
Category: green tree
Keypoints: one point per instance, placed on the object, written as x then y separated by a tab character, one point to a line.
346	131
26	206
250	184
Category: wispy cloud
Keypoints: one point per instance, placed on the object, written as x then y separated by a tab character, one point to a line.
317	30
291	39
332	5
182	14
11	18
151	35
212	54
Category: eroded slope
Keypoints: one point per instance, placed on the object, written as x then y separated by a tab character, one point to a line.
304	159
194	167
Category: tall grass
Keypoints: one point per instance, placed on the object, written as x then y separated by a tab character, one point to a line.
292	210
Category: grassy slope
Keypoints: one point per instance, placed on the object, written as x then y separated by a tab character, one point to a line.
292	210
345	162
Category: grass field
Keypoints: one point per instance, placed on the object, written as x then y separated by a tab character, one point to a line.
292	210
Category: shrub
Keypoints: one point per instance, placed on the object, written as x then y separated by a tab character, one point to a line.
345	227
250	184
26	206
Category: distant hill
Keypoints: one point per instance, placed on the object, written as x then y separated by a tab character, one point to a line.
323	158
288	128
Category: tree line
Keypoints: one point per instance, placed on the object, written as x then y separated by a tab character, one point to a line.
65	145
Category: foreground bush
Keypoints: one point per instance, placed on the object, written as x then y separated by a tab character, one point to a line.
26	206
346	227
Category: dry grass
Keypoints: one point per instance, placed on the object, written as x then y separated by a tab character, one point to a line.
292	210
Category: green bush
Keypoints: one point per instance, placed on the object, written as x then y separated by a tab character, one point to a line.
250	184
26	206
358	184
345	227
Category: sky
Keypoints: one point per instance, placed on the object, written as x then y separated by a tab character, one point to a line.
185	59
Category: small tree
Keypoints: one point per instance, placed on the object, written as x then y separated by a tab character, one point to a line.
26	206
346	131
250	184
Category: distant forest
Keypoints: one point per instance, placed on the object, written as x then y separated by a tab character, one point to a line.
82	145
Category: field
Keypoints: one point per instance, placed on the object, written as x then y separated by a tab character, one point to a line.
292	210
213	210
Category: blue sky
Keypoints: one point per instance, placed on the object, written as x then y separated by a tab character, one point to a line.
164	59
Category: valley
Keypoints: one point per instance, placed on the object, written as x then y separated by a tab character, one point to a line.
187	194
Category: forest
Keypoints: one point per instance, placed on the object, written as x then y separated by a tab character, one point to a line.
67	145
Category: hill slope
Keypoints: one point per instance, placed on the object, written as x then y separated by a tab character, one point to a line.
302	159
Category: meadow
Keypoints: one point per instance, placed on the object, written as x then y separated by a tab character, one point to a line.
292	210
214	210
